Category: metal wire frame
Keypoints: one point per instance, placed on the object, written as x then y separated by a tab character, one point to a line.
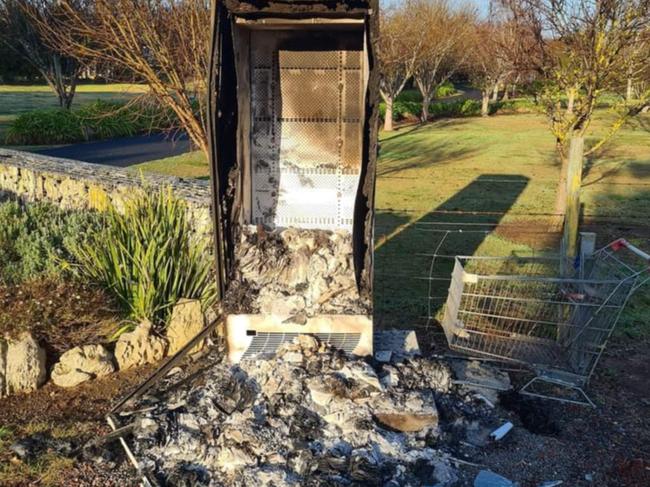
514	310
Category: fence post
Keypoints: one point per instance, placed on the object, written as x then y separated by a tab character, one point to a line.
572	215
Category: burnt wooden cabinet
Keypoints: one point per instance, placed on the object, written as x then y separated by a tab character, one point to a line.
293	132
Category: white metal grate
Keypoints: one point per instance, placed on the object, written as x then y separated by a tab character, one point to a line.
267	343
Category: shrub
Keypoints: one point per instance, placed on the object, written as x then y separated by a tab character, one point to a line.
402	109
35	239
409	103
459	108
147	258
47	126
447	89
98	120
411	95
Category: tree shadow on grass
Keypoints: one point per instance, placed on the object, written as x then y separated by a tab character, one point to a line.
410	153
404	293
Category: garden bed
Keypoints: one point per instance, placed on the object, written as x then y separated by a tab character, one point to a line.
62	314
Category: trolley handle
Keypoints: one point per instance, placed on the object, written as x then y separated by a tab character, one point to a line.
621	242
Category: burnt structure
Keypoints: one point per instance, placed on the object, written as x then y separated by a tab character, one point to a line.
293	134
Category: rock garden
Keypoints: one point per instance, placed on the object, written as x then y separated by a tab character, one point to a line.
73	311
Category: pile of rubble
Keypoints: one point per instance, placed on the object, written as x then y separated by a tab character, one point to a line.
296	273
310	416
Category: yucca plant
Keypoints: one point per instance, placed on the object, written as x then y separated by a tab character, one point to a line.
147	257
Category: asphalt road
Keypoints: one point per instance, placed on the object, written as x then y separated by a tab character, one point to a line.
123	152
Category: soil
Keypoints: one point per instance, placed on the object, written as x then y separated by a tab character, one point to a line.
606	446
61	315
75	415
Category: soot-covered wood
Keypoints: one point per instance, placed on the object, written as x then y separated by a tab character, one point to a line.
224	119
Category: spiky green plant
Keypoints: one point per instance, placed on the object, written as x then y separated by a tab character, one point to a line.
147	257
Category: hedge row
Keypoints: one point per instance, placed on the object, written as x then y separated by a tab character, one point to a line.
98	120
454	109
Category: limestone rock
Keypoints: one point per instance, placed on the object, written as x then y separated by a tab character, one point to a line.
25	365
320	391
408	413
81	364
186	322
293	357
139	347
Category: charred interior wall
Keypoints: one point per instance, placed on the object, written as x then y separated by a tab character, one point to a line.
273	255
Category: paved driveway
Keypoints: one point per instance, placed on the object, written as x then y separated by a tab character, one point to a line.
123	152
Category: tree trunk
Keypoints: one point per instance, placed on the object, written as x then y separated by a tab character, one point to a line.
506	94
65	94
630	90
495	93
573	185
514	90
485	104
388	119
426	101
571	94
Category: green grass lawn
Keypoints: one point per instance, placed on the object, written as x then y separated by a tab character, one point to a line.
190	165
498	170
16	99
504	165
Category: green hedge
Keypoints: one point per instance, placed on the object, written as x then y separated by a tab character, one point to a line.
455	109
98	120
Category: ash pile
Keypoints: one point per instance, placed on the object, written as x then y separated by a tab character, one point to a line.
295	272
310	416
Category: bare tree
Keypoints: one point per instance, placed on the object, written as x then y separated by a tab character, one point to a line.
398	49
487	65
163	43
445	36
585	44
19	20
637	67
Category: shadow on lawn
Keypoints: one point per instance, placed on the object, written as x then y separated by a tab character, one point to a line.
416	153
404	294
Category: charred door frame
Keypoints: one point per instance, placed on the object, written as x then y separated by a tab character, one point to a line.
223	119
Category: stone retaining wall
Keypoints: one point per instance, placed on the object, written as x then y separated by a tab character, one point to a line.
80	185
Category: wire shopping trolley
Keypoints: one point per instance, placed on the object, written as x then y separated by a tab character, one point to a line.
517	309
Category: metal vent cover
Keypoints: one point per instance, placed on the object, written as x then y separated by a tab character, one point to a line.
267	343
306	132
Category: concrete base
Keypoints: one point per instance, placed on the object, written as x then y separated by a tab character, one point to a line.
253	335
